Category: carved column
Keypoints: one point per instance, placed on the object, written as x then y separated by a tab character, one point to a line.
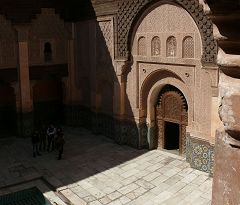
120	100
120	89
25	115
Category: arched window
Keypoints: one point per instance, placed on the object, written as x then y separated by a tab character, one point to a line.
47	52
171	47
188	47
156	46
142	49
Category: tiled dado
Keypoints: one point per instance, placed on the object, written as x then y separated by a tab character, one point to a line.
25	124
122	131
199	154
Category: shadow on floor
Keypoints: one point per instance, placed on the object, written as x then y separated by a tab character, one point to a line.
84	155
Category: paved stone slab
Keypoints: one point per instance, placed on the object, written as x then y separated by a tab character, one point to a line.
96	171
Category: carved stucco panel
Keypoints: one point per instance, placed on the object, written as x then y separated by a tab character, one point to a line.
104	67
184	72
168	22
171	47
129	9
104	46
188	47
156	46
106	28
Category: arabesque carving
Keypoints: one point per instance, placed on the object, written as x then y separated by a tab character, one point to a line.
128	10
142	49
156	46
188	47
171	47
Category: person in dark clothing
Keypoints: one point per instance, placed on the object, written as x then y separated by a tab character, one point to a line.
35	143
51	132
59	143
43	135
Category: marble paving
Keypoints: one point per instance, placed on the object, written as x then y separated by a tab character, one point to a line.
96	171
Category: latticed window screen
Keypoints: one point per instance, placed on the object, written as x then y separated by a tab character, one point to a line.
156	46
142	49
188	47
171	46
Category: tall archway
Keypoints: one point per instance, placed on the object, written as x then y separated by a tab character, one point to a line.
171	119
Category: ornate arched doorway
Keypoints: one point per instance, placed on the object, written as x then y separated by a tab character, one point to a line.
171	119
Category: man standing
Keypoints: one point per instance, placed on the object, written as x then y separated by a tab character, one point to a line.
51	131
59	143
35	143
43	134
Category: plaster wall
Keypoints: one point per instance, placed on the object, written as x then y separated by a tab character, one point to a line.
48	27
8	44
215	119
95	73
83	65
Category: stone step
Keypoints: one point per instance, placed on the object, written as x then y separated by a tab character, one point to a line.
70	197
55	198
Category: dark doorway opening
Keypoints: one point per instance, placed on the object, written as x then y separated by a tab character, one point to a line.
47	52
48	102
8	115
171	136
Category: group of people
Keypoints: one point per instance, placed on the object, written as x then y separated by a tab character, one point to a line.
48	139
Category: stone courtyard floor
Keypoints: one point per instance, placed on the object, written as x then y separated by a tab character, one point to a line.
96	171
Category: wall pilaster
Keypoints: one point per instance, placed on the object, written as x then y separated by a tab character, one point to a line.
25	114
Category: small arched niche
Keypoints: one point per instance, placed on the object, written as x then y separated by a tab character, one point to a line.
156	46
142	48
171	47
188	47
48	52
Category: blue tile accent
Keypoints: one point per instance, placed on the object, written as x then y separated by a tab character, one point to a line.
199	154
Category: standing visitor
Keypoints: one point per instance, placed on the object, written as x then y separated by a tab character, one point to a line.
51	131
35	143
60	142
43	136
